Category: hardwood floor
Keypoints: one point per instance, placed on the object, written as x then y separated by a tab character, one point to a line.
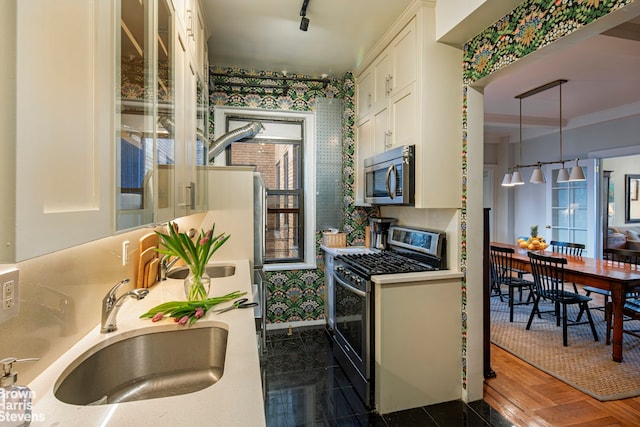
529	397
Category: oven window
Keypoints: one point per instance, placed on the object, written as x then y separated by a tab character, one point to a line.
351	316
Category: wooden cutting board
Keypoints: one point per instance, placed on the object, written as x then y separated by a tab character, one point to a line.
152	274
148	241
145	257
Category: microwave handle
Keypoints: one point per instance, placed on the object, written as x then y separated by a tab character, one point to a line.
391	169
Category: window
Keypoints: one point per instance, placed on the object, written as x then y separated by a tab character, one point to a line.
283	154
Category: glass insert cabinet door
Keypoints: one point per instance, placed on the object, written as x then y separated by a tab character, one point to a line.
570	211
145	130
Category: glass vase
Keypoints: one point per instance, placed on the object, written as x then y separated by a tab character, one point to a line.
196	288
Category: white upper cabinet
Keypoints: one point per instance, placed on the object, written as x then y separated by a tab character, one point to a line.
159	139
392	70
63	109
415	100
191	26
89	122
364	93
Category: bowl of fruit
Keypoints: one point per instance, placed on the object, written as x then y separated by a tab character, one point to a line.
533	242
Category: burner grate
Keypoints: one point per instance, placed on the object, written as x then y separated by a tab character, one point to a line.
385	262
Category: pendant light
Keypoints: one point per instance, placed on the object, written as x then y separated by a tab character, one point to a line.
516	178
506	181
563	175
577	173
513	175
537	177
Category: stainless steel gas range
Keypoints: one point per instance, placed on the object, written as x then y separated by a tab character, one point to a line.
410	250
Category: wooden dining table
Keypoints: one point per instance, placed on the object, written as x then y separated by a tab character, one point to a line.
619	278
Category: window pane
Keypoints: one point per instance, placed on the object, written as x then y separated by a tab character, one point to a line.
284	232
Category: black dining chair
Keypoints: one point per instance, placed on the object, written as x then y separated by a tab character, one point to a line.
567	248
548	276
503	274
574	249
616	256
630	311
627	256
631	308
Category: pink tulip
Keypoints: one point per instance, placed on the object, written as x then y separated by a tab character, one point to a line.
158	316
199	312
183	320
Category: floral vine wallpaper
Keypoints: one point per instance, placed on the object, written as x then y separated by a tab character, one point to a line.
532	25
296	295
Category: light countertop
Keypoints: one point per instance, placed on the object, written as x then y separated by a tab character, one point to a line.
235	400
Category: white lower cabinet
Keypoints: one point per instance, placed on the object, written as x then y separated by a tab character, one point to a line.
417	344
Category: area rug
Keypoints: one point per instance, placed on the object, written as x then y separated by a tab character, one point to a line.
583	364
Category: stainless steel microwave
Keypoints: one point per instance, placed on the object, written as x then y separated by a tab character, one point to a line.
389	177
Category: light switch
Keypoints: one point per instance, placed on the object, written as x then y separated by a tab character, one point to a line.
125	252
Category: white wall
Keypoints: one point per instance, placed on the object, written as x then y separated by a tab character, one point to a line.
457	21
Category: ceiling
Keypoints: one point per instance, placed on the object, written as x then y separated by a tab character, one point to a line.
266	35
602	70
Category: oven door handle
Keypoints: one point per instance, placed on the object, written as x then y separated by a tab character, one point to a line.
350	288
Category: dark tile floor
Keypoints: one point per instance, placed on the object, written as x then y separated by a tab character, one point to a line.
304	386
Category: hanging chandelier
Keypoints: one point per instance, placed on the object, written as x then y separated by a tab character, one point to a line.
537	177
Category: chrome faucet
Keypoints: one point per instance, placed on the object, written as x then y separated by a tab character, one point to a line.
165	266
111	305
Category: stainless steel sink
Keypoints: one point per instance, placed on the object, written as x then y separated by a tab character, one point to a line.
146	366
212	270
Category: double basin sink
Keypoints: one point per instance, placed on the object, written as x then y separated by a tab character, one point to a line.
148	363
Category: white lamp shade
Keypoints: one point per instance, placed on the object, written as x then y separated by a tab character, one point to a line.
537	177
506	181
577	174
563	175
516	178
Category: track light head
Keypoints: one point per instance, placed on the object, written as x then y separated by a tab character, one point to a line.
304	23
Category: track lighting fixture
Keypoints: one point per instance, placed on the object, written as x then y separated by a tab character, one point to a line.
304	22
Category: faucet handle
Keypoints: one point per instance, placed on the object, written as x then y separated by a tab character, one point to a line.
111	295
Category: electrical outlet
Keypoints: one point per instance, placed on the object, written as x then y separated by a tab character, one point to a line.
9	294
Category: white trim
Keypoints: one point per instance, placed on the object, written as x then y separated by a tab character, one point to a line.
296	324
615	152
290	266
